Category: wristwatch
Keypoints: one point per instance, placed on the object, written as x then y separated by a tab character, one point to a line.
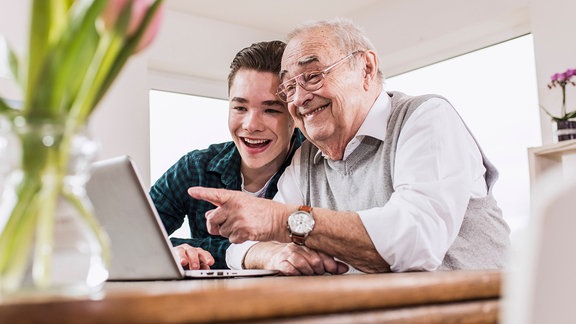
300	224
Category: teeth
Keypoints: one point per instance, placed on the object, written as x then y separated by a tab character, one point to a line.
315	111
254	141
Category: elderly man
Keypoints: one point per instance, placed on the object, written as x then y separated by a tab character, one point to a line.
385	182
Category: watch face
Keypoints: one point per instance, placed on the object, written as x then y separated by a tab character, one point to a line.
301	222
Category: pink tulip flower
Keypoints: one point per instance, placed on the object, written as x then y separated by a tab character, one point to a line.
139	9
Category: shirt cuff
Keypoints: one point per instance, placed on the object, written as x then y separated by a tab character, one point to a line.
235	254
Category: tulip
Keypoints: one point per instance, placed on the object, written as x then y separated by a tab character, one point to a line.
139	8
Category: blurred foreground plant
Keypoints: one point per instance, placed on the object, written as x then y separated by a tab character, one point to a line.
76	50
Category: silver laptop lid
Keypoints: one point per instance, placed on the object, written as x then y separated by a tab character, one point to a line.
141	249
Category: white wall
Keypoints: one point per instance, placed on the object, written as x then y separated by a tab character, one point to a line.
552	24
13	29
121	121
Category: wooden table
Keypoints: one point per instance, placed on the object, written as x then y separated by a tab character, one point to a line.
430	297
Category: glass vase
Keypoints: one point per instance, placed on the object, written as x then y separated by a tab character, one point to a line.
50	241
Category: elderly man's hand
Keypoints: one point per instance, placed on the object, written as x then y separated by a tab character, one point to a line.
291	259
241	217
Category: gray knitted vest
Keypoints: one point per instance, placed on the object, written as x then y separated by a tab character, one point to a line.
364	181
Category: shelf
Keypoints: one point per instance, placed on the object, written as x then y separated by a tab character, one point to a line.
545	158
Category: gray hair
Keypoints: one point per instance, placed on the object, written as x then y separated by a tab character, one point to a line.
345	35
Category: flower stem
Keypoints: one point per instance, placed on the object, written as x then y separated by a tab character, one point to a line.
48	196
563	86
17	236
88	215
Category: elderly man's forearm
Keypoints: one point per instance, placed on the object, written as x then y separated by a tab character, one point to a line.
343	236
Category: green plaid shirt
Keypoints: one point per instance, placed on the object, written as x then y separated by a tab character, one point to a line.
218	166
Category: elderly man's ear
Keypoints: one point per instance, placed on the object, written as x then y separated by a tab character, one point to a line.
370	67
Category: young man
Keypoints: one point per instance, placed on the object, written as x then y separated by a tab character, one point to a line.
264	141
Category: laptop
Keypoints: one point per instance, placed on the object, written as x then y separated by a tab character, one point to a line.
140	246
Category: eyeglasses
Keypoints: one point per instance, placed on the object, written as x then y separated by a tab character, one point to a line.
309	81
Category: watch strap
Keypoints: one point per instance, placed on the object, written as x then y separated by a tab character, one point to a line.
307	209
298	239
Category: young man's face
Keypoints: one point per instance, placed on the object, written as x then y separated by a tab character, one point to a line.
259	122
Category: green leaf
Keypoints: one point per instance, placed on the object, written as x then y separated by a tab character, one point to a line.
114	52
110	44
548	113
42	22
128	49
571	115
74	54
50	19
66	60
116	56
9	58
17	236
4	107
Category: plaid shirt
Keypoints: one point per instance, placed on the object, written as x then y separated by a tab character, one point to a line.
218	166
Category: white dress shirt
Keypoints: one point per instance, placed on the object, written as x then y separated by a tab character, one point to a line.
438	168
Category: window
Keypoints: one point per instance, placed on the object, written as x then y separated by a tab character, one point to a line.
180	123
494	90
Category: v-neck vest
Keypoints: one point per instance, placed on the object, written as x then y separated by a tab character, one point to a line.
364	181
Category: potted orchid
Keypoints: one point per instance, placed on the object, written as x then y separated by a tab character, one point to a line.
50	241
565	127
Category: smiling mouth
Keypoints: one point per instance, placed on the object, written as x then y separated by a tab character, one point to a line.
315	111
255	143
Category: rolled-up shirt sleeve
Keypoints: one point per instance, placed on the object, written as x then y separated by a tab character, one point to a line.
235	254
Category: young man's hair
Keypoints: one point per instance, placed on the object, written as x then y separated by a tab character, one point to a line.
263	57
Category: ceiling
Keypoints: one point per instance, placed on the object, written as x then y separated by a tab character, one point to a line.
275	16
407	34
